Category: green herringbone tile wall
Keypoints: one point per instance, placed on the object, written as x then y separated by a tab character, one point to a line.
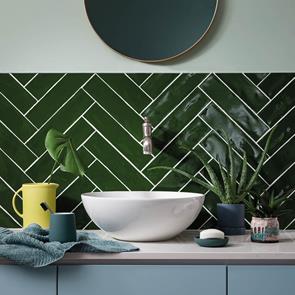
104	113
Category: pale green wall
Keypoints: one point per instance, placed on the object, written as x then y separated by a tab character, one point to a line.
55	36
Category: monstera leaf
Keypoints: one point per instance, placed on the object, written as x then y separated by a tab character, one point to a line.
61	150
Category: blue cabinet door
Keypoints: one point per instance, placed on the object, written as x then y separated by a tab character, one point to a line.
19	280
142	280
261	279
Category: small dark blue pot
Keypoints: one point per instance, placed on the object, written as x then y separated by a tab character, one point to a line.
230	218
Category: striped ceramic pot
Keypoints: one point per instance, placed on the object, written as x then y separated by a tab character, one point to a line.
265	230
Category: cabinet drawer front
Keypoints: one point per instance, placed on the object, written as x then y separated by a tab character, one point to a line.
17	280
261	279
142	279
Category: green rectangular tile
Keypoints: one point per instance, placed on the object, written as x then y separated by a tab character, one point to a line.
235	108
217	120
256	77
42	83
14	120
67	115
24	78
117	136
56	98
280	161
250	94
280	105
104	179
115	106
173	153
275	82
15	148
283	132
15	93
178	119
172	96
112	159
157	83
138	78
127	90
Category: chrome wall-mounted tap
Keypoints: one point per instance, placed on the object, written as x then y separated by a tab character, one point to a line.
147	144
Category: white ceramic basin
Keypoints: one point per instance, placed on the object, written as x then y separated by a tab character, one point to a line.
143	216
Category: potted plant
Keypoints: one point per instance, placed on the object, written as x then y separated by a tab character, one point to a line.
265	209
232	190
61	150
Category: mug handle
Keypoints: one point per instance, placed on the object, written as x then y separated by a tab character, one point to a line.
14	205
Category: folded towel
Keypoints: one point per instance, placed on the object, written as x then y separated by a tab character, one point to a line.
31	246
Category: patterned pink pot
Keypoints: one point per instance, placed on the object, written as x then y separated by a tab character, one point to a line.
265	230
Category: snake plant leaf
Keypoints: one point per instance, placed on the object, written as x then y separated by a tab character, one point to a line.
260	164
213	177
191	177
232	172
61	150
226	182
243	177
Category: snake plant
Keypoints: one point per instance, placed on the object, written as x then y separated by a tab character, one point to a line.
61	150
235	185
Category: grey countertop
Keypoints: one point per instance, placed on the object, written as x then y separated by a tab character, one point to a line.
183	250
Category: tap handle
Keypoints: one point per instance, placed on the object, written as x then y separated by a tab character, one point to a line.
147	127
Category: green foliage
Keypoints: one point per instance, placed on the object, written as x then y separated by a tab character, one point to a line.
267	204
61	150
227	190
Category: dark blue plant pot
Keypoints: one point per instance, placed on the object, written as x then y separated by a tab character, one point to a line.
230	218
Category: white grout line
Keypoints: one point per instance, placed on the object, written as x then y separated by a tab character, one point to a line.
256	86
234	122
58	110
178	134
262	79
185	156
180	103
31	80
241	100
45	94
292	221
95	185
160	93
282	118
145	80
30	122
279	148
107	168
23	87
235	151
72	182
118	151
124	128
139	87
280	91
19	139
280	176
87	225
20	168
119	96
10	216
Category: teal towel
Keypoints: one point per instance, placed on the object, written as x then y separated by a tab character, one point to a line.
31	246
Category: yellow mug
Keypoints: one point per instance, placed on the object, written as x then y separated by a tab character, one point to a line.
33	195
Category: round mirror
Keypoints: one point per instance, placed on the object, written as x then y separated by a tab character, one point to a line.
151	30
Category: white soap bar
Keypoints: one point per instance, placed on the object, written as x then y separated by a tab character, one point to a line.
211	234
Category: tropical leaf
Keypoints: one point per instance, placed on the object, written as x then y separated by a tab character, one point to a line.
61	150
